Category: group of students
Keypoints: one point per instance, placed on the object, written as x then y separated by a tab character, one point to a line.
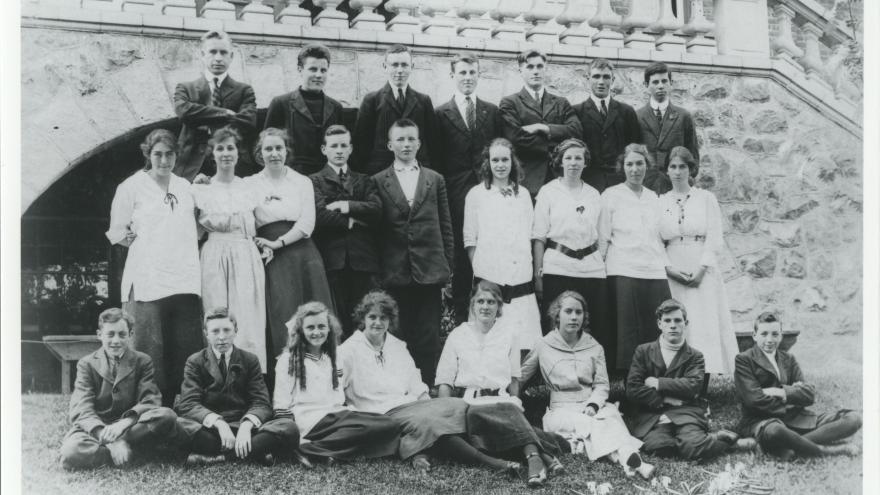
534	198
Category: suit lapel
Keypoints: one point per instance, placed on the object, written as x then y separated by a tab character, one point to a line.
681	357
227	88
126	366
387	99
669	119
410	102
657	358
102	365
214	367
647	117
395	191
593	112
421	190
782	360
529	101
204	91
612	114
298	104
328	110
762	360
451	112
482	113
328	173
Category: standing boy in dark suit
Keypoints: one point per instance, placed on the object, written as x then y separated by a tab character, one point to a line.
608	126
348	209
535	121
115	403
465	126
416	244
664	126
664	385
380	109
307	112
774	398
210	102
224	404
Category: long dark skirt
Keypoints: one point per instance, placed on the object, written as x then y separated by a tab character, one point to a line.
423	422
348	434
501	428
635	300
294	276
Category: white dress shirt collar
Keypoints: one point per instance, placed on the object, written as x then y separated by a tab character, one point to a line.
402	167
220	78
598	101
336	169
772	359
532	92
662	106
395	88
228	354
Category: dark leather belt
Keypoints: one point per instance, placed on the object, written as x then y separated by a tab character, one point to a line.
577	254
483	392
511	292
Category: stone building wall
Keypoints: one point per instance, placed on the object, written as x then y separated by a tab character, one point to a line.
788	178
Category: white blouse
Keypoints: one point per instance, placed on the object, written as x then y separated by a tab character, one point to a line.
498	226
573	221
472	359
377	382
163	259
227	208
318	399
694	214
291	198
629	226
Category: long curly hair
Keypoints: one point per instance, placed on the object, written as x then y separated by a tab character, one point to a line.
297	343
516	170
377	299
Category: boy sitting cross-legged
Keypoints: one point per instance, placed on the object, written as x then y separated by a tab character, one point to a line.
664	383
115	406
774	398
224	403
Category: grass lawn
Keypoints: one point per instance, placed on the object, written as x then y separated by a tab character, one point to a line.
44	425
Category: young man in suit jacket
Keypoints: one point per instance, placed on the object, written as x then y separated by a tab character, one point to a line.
224	403
664	385
416	244
608	126
209	103
535	121
664	126
465	126
115	403
307	112
347	211
380	109
774	398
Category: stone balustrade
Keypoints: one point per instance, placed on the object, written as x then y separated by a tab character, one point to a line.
795	38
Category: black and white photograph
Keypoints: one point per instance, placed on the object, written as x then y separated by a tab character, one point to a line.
580	247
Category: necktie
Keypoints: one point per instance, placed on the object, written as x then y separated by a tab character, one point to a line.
114	367
343	176
538	98
604	109
470	112
401	98
223	366
216	92
658	114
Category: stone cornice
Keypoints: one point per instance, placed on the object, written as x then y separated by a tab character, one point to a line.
843	112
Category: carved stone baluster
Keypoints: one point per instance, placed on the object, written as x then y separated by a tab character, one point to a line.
642	13
440	17
509	14
257	11
542	31
667	24
404	21
838	75
573	18
329	16
698	26
218	9
783	45
476	25
367	19
292	14
607	22
812	59
182	8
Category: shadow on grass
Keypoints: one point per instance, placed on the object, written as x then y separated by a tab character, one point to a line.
44	425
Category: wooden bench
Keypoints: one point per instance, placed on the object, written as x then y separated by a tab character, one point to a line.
69	349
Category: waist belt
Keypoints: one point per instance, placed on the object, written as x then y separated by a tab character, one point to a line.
577	254
240	236
684	238
482	392
511	292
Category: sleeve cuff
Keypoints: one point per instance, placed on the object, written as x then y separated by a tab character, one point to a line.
253	419
210	420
